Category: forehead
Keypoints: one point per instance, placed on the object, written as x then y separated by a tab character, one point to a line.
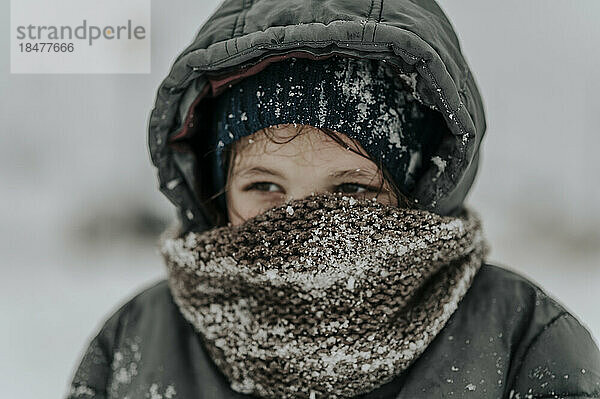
286	145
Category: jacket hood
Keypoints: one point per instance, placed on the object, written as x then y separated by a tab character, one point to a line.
241	38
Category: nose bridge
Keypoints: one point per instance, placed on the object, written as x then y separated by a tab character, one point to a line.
306	183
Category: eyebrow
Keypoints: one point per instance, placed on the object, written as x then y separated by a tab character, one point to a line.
258	170
357	172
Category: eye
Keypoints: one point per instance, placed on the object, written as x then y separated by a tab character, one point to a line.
263	186
354	188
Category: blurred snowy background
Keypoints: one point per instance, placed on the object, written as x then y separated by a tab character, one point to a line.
80	212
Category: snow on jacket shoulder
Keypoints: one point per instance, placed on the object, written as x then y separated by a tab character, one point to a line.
507	339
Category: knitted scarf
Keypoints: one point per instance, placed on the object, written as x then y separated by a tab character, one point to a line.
326	296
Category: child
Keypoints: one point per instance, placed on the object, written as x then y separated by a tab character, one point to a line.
319	155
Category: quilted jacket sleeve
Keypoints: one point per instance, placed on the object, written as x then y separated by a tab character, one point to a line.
562	361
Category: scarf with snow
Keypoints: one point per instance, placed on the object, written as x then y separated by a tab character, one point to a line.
326	296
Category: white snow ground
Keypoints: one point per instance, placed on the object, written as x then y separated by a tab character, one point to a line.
76	179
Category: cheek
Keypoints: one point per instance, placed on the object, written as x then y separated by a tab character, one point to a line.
387	199
237	209
243	205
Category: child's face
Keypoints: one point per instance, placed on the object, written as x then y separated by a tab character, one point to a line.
265	174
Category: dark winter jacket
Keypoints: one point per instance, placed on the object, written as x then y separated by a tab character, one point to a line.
506	340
